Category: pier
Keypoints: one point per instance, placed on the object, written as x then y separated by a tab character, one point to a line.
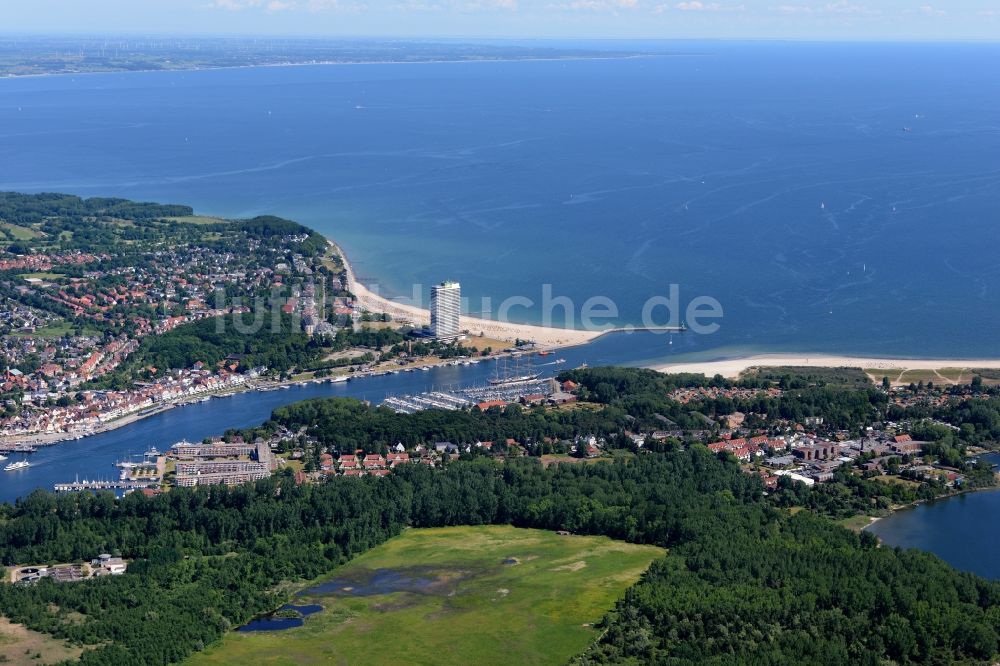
80	486
461	399
649	329
20	448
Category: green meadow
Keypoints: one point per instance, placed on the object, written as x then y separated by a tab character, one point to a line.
197	219
459	595
17	232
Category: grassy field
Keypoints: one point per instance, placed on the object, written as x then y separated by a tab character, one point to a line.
941	376
480	343
18	232
895	480
197	219
465	595
835	376
560	458
58	330
856	523
20	645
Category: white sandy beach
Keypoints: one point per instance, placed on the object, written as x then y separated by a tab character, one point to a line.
734	366
544	336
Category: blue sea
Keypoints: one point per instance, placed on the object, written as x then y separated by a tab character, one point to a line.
831	197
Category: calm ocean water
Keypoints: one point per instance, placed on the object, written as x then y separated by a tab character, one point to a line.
839	198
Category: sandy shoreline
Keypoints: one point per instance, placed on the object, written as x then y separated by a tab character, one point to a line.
544	336
734	366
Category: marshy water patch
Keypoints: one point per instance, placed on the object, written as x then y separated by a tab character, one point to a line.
288	616
369	583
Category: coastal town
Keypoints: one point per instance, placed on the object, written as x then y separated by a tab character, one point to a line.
149	310
79	311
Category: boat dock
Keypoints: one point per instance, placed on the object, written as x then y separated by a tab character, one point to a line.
408	404
20	448
80	486
461	399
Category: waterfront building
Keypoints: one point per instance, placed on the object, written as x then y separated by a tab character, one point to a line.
446	309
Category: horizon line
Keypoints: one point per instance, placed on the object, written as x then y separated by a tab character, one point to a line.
7	33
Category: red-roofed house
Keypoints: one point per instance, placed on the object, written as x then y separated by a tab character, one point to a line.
904	445
397	459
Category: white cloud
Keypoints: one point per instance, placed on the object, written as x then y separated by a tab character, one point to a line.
599	5
696	6
838	7
235	5
928	10
792	9
317	6
846	7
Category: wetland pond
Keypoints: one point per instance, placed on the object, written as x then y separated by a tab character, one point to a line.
415	580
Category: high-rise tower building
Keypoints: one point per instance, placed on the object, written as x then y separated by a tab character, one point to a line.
446	309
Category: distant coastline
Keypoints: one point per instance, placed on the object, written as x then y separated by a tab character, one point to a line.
4	75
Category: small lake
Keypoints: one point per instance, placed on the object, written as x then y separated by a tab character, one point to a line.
276	622
415	580
959	529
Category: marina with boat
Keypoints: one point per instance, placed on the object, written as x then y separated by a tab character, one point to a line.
510	383
120	485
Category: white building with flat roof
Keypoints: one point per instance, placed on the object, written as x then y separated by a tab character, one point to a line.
446	310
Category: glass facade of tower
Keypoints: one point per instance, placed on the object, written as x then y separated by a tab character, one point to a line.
446	309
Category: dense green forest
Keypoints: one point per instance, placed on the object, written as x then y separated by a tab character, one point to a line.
279	345
746	580
123	227
752	588
27	209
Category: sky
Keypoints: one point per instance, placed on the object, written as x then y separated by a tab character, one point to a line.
667	19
